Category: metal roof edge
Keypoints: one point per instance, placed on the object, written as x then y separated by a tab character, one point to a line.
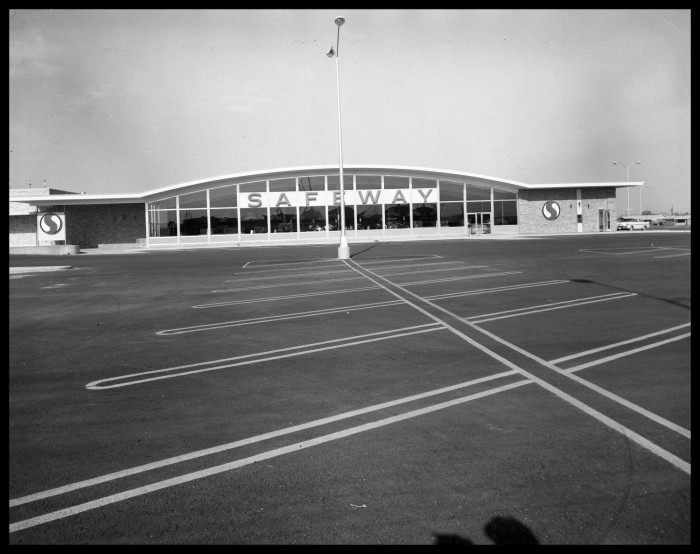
616	184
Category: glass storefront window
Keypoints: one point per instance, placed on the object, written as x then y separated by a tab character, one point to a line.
505	212
283	220
194	200
478	193
425	215
473	207
162	223
193	222
451	214
504	195
223	197
334	217
253	220
369	216
164	204
334	182
395	182
257	186
224	222
420	183
312	183
397	216
451	191
367	182
283	185
312	218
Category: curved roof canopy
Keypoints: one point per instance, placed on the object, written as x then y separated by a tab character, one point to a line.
202	184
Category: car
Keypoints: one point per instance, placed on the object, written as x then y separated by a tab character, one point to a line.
631	223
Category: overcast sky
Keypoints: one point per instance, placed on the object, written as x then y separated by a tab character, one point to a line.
123	101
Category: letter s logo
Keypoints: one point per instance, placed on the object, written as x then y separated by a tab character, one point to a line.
551	210
51	224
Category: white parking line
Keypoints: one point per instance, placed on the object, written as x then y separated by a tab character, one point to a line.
495	289
672	256
548	307
73	510
271	318
618	344
251	440
645	443
246	359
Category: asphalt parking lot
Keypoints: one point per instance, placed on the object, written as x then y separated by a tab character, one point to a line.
520	391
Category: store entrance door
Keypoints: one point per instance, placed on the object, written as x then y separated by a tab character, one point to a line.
603	220
479	223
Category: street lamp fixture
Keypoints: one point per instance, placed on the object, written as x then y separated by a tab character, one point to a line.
627	168
343	249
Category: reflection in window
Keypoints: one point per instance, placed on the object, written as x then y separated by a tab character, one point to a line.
451	191
162	223
419	183
334	217
504	195
425	215
369	216
365	182
334	182
165	204
505	212
451	214
283	185
397	216
395	182
283	220
253	220
223	197
478	193
312	218
194	200
312	183
224	222
193	222
473	207
258	186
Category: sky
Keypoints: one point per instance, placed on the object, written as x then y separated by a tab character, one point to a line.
128	101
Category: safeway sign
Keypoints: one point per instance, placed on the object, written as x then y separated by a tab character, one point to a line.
51	226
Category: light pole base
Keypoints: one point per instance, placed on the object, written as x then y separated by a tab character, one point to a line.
343	249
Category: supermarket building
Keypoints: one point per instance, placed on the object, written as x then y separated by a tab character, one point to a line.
302	205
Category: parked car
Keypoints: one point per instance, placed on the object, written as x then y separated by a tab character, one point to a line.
631	223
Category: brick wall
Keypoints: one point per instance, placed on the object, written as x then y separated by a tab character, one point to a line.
531	220
23	230
91	225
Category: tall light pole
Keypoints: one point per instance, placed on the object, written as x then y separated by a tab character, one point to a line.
627	167
343	249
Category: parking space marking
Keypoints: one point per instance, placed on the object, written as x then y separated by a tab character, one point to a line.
672	255
628	433
271	318
255	439
464	277
277	285
273	298
73	510
624	251
618	344
356	277
249	359
496	289
342	291
548	307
